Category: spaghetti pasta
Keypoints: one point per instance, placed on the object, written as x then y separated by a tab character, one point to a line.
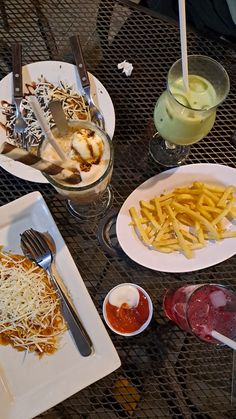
30	316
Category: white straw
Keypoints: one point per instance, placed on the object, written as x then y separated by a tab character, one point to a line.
183	41
233	384
223	339
33	101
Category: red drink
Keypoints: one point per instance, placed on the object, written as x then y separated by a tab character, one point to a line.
199	309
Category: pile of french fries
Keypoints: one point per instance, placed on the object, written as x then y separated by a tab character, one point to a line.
186	218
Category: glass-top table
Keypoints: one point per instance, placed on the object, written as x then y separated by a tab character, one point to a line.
165	372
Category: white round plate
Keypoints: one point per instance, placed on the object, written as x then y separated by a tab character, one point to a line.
213	253
54	72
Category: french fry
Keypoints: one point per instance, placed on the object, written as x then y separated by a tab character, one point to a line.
166	196
187	191
142	220
214	188
211	195
166	242
178	233
148	230
204	213
209	209
185	219
165	202
162	248
227	234
199	233
189	236
198	185
223	200
195	246
159	210
163	230
186	197
232	213
137	223
167	236
208	201
200	199
151	218
224	212
174	247
144	204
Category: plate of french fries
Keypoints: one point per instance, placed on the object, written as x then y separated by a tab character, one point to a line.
181	220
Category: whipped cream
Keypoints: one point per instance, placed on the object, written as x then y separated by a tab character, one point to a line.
89	146
87	152
125	294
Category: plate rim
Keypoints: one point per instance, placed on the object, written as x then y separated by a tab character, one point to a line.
161	176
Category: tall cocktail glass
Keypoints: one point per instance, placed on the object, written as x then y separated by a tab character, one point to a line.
200	309
184	117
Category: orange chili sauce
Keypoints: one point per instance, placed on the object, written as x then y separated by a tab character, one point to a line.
125	319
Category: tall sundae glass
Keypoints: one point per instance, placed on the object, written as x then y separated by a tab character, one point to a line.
90	158
183	117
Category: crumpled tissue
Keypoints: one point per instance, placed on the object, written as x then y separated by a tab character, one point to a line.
126	67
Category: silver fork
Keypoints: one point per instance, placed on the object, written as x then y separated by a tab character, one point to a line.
20	124
96	115
35	246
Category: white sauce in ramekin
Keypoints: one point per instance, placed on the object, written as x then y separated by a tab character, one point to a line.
126	294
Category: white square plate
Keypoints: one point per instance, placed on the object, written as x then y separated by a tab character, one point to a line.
29	385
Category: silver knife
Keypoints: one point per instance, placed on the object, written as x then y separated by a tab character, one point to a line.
96	115
20	124
17	71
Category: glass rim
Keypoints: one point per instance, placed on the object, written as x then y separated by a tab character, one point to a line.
207	58
187	307
101	178
197	287
144	325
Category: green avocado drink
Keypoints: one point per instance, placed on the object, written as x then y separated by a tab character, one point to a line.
185	113
191	115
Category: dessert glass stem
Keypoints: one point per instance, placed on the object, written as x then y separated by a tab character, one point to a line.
93	210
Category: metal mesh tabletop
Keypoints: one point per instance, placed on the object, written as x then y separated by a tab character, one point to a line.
165	372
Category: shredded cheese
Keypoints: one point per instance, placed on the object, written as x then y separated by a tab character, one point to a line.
30	316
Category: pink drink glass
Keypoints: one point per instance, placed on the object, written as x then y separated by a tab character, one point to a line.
199	309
